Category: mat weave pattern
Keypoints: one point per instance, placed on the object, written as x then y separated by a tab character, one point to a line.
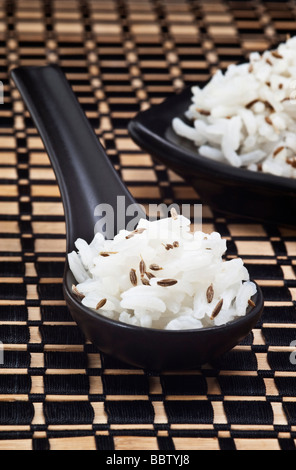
56	390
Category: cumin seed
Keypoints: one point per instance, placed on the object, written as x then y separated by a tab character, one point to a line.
249	105
268	120
268	105
210	293
168	246
107	253
251	303
203	112
142	267
217	309
77	293
167	282
277	55
149	275
133	277
101	304
145	282
277	151
291	161
155	267
134	232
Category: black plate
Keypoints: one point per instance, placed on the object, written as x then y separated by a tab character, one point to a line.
231	191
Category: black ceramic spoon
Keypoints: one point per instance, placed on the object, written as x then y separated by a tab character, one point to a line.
84	173
86	178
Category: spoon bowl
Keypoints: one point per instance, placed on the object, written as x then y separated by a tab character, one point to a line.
153	349
87	178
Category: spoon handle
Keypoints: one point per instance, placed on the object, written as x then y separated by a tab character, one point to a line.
84	173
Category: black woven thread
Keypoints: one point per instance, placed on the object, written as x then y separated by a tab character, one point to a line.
197	411
15	384
125	384
236	360
60	334
76	412
104	442
15	360
290	412
50	313
287	444
281	361
16	413
227	444
41	444
286	386
165	443
279	336
283	314
59	384
248	412
12	269
129	412
184	385
65	360
242	385
14	334
13	313
12	291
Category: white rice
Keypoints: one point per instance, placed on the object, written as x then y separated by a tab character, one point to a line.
247	116
114	277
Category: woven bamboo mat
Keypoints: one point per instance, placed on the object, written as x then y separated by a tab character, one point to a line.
56	390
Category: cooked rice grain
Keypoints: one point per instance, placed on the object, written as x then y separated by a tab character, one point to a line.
244	116
177	295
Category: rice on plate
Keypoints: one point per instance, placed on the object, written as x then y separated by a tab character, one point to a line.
161	275
246	117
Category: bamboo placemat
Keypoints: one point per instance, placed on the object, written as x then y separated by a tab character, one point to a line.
56	390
